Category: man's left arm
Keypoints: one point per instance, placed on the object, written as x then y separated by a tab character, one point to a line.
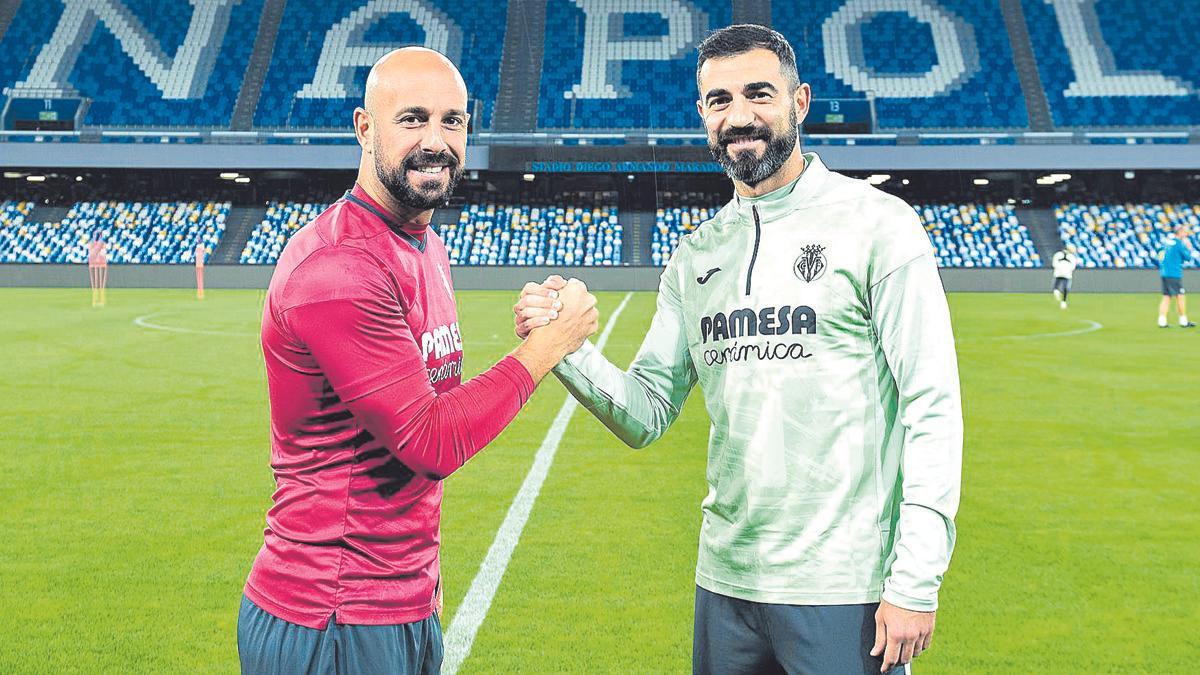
912	320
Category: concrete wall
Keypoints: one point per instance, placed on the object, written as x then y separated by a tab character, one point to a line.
511	278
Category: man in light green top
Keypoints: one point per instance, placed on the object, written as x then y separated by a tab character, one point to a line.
810	312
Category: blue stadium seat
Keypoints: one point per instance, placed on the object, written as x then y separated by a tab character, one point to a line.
136	232
473	35
121	92
1123	235
1137	45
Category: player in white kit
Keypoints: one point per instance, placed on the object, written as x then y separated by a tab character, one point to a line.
1064	262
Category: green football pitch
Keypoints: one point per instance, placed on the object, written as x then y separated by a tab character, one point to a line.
134	455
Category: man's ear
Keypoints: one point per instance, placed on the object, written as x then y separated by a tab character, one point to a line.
363	130
803	100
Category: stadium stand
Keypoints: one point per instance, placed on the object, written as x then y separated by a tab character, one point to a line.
127	59
489	233
14	213
1129	68
929	65
578	228
560	234
136	232
280	222
978	235
679	216
485	233
963	235
324	50
653	89
1123	235
13	229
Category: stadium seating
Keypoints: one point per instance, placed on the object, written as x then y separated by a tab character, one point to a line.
497	234
929	64
280	222
671	223
897	50
978	235
963	235
136	232
13	218
650	92
305	88
1137	45
484	234
1123	235
121	92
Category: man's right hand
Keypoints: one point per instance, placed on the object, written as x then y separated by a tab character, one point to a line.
538	305
574	322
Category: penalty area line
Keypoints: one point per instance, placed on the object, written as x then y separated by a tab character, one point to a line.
460	636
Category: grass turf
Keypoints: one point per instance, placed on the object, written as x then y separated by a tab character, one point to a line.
136	479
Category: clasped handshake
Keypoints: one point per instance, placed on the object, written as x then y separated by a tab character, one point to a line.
553	318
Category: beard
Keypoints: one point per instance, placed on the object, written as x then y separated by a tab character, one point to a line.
420	196
747	168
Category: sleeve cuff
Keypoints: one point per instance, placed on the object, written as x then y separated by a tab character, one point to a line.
909	602
577	357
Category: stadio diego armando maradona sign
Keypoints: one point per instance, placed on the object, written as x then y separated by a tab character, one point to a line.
624	167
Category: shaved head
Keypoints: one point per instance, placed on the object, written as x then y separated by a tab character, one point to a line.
406	67
413	129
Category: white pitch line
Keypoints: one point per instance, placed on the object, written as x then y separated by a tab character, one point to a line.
470	615
145	322
1092	327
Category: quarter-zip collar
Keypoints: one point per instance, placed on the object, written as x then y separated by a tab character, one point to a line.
788	198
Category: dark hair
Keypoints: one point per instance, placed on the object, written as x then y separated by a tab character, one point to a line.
743	37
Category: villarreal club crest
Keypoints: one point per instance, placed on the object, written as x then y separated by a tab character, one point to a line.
811	264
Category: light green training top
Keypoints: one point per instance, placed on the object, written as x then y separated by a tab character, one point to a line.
815	322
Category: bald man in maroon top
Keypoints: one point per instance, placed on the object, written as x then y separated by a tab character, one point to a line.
368	411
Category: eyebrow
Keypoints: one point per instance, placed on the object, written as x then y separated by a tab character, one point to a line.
424	112
759	86
412	110
751	87
713	93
